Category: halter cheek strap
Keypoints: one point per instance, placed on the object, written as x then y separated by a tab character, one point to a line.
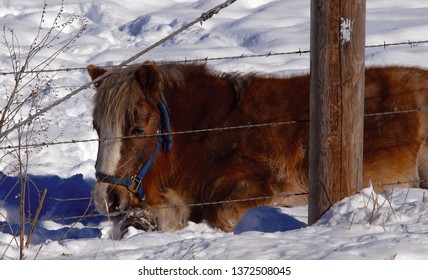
164	141
164	126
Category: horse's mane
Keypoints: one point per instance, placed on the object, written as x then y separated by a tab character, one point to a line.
174	75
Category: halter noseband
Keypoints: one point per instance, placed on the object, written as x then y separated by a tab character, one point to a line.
164	141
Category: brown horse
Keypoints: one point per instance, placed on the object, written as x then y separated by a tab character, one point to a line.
144	115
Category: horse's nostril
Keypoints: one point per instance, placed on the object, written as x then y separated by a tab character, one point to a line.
113	202
118	203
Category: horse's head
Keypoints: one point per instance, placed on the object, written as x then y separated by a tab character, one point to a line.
131	119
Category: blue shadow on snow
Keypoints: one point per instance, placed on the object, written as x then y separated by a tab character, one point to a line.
67	201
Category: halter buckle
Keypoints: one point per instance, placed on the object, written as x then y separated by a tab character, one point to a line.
138	184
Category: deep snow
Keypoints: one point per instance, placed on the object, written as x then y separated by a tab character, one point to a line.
391	225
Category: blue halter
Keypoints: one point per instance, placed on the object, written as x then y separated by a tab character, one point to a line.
164	142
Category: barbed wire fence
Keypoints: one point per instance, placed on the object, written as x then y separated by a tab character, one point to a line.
247	126
202	18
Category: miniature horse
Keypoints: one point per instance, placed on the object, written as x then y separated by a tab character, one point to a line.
153	154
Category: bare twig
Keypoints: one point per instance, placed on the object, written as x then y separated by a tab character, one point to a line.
375	200
36	217
38	251
423	207
352	221
404	202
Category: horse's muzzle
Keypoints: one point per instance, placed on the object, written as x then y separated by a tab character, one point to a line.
108	201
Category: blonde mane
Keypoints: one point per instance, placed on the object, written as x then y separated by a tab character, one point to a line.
115	96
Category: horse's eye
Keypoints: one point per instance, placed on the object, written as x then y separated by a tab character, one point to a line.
138	130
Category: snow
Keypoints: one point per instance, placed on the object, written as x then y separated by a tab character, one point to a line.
366	226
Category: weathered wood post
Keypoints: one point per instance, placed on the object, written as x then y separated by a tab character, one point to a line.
336	102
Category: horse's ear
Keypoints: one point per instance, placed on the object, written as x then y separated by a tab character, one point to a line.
148	77
95	72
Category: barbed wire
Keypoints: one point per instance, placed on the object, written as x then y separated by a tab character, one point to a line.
190	205
206	130
218	129
68	69
409	42
419	181
175	206
241	56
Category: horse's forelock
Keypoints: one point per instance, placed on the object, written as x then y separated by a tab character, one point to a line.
118	94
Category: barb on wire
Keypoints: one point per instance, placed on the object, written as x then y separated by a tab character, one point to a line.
207	15
203	17
134	57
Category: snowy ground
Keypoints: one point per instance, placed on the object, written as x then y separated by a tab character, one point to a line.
392	225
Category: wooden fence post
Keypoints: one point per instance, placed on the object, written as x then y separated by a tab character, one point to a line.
336	102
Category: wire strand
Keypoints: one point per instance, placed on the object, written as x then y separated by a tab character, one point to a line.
207	130
241	56
202	204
